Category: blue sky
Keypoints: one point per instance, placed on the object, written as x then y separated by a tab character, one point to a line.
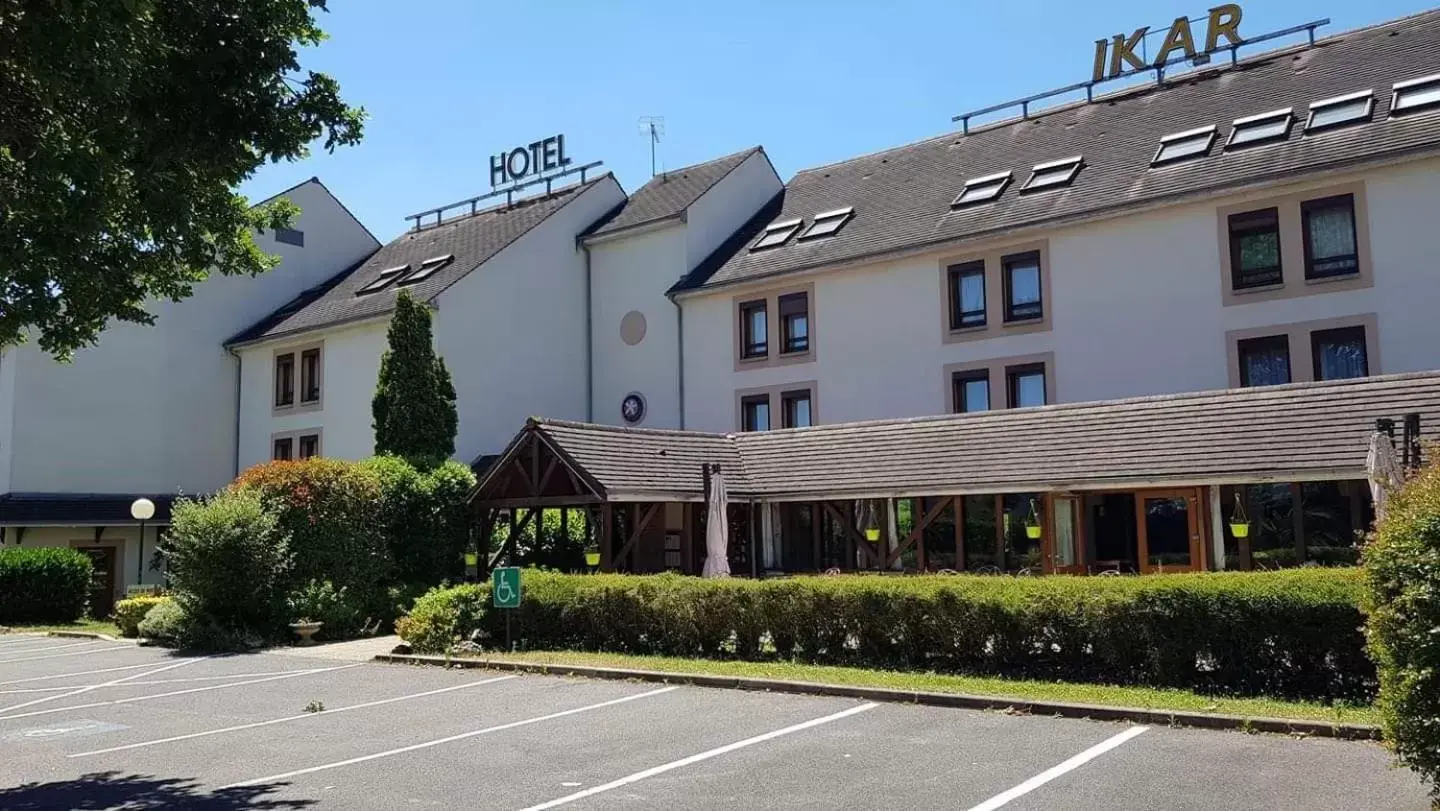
449	82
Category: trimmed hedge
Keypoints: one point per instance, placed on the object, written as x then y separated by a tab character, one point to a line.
43	584
1402	574
1289	634
130	612
444	617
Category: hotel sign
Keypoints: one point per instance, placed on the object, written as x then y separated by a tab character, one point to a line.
528	161
1116	55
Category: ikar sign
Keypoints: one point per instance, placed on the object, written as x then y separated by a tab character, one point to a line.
1116	55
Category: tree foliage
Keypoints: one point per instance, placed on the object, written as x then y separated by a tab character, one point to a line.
414	405
125	125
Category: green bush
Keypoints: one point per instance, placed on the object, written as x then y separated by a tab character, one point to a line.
229	566
1402	576
444	617
129	613
43	584
320	601
424	517
329	510
1293	633
164	622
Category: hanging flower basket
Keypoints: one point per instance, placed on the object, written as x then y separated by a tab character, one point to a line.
1032	523
872	534
592	558
1239	521
1032	531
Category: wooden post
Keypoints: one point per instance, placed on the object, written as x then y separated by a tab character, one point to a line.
850	560
957	501
1297	519
1000	532
607	534
1246	561
817	524
687	538
917	509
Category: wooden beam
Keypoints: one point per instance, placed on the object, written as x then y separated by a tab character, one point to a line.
515	530
959	502
852	535
1247	561
641	523
1297	519
534	467
545	477
519	467
687	538
607	532
917	506
542	501
817	524
914	536
1000	532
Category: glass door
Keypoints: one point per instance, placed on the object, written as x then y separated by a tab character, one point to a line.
1169	529
1065	545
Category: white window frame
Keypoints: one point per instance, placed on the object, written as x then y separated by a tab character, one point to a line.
1074	163
1207	133
1258	121
839	217
383	280
1398	89
1336	101
1000	180
427	269
788	227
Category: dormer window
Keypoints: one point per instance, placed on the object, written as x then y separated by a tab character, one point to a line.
1054	174
428	268
382	281
1346	109
1189	144
1255	129
776	233
982	189
828	223
1414	94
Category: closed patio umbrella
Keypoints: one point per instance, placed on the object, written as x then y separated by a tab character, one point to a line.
717	540
1383	470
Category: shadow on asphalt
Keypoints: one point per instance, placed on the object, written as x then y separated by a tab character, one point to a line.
138	791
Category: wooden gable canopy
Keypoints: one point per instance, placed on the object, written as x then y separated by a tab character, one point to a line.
534	473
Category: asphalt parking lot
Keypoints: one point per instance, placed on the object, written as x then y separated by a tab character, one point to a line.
100	724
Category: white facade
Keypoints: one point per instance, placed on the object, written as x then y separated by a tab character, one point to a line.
1136	306
631	272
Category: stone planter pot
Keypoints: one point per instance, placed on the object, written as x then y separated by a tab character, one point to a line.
305	630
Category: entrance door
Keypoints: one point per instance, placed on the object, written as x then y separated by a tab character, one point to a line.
1169	529
103	560
1065	540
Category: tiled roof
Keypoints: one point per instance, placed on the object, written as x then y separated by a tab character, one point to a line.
77	509
1305	430
670	193
902	196
472	239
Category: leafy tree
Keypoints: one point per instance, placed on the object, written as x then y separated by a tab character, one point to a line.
125	125
414	405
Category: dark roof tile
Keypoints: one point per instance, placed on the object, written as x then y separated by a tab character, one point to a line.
670	193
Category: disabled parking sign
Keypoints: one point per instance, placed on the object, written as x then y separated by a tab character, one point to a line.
505	587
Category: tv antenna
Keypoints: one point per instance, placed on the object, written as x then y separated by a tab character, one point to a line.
652	126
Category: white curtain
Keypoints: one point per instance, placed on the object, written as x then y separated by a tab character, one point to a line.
717	531
1383	469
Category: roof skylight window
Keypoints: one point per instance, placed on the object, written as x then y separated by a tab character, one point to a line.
828	222
1414	94
1189	144
428	268
383	280
777	233
1254	129
1339	110
1052	174
982	189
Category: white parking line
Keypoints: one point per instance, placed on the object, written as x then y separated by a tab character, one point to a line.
7	644
38	690
134	699
113	682
89	652
1046	776
53	647
427	744
302	717
716	752
78	673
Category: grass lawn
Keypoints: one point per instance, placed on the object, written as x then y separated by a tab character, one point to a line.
85	625
1141	697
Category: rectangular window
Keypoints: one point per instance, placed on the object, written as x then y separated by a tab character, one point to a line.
1026	385
1415	94
284	449
982	189
972	391
1328	226
796	409
1264	361
1189	144
967	295
795	322
1022	286
1255	248
290	236
1347	109
827	223
776	233
755	413
285	379
309	445
754	331
310	376
1339	354
1053	174
382	281
1260	128
427	269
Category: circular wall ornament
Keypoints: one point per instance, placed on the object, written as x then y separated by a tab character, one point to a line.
632	328
632	408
